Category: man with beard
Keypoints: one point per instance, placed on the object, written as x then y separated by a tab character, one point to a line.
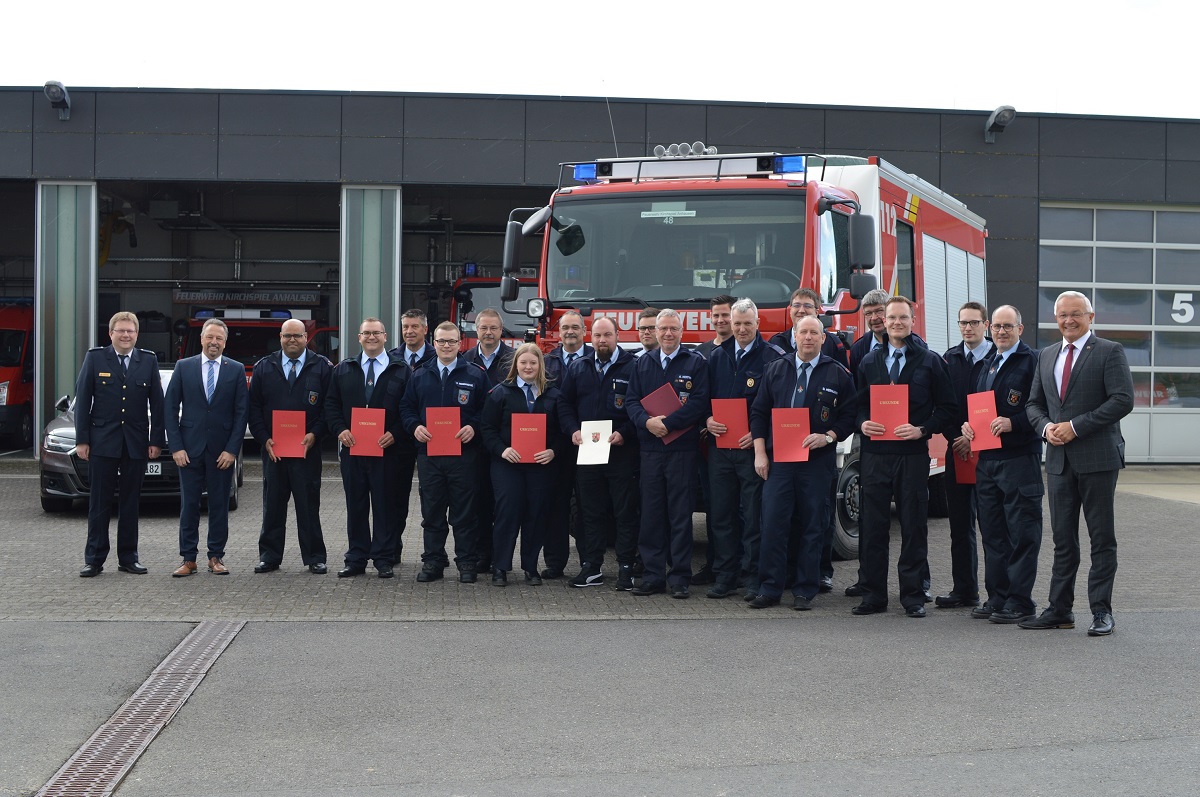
719	311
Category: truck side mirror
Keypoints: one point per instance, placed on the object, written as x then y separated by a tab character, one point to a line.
510	287
862	241
512	249
861	284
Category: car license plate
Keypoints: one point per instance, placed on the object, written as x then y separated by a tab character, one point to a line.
153	468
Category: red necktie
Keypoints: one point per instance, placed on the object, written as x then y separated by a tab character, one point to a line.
1066	377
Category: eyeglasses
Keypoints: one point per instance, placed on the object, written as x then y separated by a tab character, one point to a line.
370	334
805	306
873	313
1003	327
124	331
1066	316
965	324
293	335
441	342
646	329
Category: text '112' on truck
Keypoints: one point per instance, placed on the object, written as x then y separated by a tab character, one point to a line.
687	224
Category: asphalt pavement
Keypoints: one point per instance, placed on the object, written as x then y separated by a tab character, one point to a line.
373	687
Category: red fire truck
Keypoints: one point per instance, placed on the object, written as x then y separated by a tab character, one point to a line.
687	224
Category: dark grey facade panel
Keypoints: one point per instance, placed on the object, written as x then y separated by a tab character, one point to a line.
1103	138
593	120
1183	141
281	114
733	128
970	175
963	132
368	116
16	155
542	157
148	112
279	158
16	112
141	156
372	160
1183	182
1007	217
64	156
466	117
83	114
853	132
673	123
467	161
1102	179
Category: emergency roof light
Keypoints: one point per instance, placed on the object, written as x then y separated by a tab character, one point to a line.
682	161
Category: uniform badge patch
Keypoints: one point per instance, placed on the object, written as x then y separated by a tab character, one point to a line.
464	396
619	400
683	397
312	398
1014	398
825	414
750	382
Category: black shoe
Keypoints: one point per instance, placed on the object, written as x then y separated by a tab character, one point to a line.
928	596
551	573
90	571
801	603
763	602
532	578
639	568
430	572
703	576
825	584
680	592
318	569
1102	624
1049	619
137	568
263	567
915	611
642	590
983	611
499	578
588	577
624	578
1009	616
467	576
720	590
751	594
955	601
349	571
855	591
868	608
483	566
385	571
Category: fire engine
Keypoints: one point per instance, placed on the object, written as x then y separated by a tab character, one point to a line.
689	223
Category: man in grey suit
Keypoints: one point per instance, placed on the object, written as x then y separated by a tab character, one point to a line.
1081	390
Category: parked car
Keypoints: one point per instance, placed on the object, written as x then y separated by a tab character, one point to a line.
64	476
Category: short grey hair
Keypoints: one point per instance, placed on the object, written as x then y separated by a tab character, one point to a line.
744	306
1016	312
668	313
216	322
1087	303
877	296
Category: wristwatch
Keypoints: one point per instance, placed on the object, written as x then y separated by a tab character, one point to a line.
924	432
829	440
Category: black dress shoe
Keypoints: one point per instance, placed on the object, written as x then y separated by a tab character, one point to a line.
385	571
499	578
825	584
983	611
763	602
801	603
703	576
915	611
467	576
349	571
642	590
680	592
955	601
928	596
137	568
90	571
532	578
264	567
719	591
1102	624
1010	616
318	569
430	572
855	591
868	608
551	573
1049	619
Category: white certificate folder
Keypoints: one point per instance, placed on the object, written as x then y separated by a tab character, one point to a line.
593	449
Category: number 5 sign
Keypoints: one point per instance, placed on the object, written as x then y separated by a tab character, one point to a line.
1182	309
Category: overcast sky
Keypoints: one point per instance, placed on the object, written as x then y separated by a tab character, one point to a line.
1112	58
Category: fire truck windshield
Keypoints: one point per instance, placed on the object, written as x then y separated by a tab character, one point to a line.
671	249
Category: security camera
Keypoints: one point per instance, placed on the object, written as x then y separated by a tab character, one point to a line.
59	98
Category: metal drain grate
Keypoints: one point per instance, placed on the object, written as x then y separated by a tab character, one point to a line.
98	766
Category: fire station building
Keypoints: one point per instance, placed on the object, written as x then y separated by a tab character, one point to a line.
343	205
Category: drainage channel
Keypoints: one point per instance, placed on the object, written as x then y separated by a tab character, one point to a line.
98	766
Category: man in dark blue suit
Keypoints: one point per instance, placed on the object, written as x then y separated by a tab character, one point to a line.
114	435
206	409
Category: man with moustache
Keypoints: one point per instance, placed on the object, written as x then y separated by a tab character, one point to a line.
205	412
292	379
595	389
118	428
964	362
1081	391
374	379
668	492
1008	480
735	371
556	543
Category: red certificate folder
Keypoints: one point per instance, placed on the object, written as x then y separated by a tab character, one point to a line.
528	434
981	411
964	470
287	432
443	424
367	425
789	427
663	401
732	413
889	406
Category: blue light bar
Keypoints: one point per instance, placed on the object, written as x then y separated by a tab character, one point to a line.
789	164
585	172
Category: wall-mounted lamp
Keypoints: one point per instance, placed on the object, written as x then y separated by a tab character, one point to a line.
1001	118
57	94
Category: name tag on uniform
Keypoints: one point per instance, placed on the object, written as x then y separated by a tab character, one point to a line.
105	373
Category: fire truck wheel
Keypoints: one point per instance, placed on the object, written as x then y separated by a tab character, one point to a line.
23	437
845	531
